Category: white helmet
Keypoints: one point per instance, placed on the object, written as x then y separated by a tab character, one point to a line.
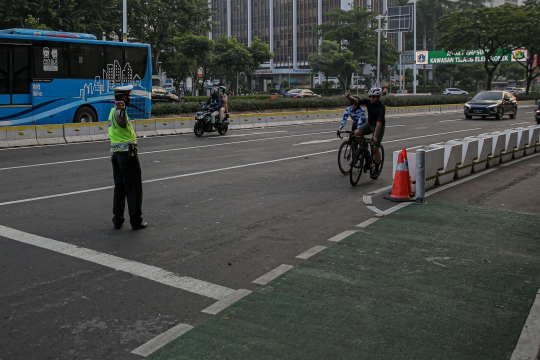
375	91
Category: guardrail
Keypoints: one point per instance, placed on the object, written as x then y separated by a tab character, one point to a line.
454	159
15	136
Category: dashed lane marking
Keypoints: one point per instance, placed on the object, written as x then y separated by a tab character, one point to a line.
153	273
271	275
161	340
342	235
367	222
309	253
529	340
226	301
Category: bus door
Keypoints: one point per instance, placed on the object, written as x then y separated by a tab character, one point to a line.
15	75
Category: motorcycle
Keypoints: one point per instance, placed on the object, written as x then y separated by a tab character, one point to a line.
537	114
203	122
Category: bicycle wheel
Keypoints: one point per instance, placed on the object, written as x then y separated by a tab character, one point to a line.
381	149
344	157
357	167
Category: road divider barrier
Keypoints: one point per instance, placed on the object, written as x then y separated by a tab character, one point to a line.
145	127
21	136
444	162
99	131
3	138
11	136
77	132
469	153
165	127
184	125
451	162
50	134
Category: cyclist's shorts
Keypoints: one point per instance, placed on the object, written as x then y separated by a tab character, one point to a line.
368	129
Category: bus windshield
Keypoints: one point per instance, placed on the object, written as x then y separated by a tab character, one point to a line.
54	77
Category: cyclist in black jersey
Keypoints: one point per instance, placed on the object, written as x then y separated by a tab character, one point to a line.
375	124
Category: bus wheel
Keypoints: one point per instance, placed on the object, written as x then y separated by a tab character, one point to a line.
84	115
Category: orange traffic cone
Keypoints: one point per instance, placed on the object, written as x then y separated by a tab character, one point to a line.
409	187
400	188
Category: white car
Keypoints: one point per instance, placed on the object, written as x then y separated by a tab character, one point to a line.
454	91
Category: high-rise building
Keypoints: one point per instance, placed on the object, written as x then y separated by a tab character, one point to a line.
286	26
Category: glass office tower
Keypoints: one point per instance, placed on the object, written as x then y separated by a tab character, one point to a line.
286	26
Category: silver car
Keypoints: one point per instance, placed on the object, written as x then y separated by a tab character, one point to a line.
454	91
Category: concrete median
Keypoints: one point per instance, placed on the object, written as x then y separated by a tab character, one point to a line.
165	127
485	144
183	125
77	132
3	138
99	131
145	127
452	161
21	136
50	134
468	154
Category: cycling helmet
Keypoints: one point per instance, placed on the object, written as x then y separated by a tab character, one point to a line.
375	91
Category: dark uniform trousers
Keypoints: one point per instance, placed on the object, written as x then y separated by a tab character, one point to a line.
127	184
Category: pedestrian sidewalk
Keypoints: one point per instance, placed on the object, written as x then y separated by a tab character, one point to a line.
436	281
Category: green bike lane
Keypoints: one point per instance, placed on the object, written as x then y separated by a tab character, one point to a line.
445	280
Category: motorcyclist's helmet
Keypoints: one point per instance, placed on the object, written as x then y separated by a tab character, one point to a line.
213	92
375	91
222	89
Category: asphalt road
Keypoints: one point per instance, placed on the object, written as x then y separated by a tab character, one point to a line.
222	211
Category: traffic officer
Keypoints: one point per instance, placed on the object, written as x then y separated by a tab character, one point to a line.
125	163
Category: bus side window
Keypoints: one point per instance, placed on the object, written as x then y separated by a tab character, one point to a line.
51	60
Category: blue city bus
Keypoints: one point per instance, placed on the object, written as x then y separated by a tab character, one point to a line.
54	77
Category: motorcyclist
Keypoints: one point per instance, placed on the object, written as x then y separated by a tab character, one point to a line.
214	104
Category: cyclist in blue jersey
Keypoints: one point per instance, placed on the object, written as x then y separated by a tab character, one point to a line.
357	114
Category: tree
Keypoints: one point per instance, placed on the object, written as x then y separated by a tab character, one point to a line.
489	31
232	58
350	30
470	4
260	53
198	51
528	38
159	22
322	62
344	65
32	23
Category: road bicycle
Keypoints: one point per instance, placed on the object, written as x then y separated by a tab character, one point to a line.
363	161
346	151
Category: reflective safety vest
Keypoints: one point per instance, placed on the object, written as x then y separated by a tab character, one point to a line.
120	137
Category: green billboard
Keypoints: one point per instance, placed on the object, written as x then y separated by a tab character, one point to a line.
466	56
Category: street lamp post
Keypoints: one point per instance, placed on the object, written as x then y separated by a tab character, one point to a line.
289	58
159	71
124	21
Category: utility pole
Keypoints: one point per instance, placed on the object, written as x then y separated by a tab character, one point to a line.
124	22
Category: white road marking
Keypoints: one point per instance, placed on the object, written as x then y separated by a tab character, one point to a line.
161	340
367	222
271	275
214	170
117	263
378	191
367	200
526	122
529	341
393	126
165	150
342	235
451	120
226	301
376	210
247	134
309	253
316	142
518	160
